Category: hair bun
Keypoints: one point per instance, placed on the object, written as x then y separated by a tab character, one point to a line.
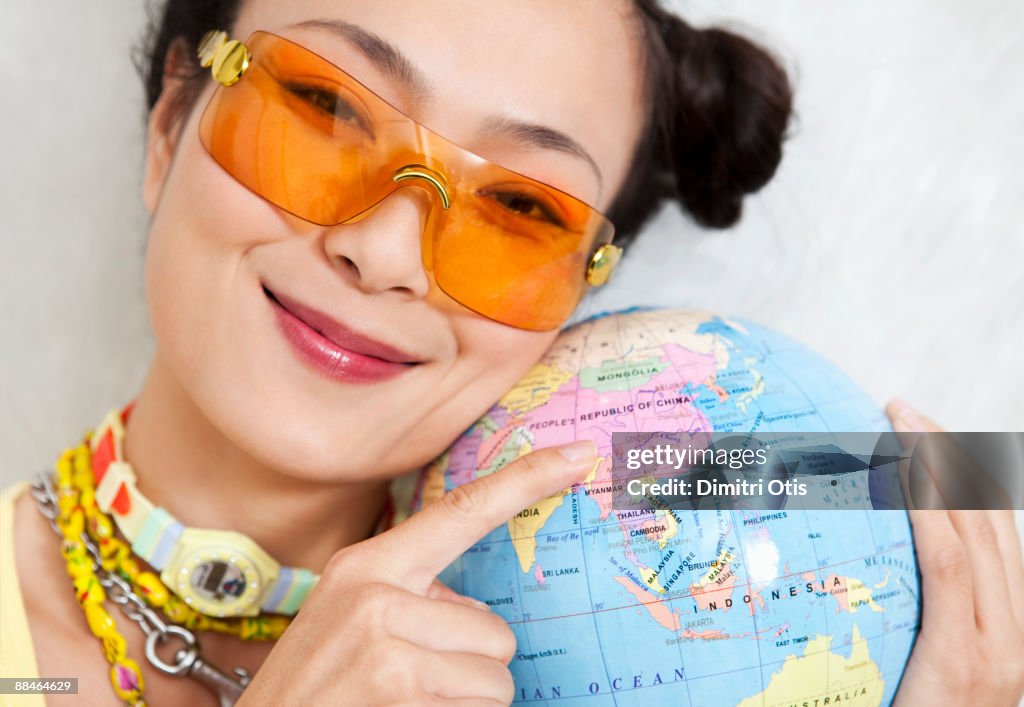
731	102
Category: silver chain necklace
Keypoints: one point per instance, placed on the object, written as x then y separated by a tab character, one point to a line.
188	661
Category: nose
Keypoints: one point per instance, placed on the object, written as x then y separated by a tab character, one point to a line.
381	250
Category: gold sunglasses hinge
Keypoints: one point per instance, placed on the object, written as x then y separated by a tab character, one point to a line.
227	59
602	264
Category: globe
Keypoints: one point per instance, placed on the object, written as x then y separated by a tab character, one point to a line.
699	607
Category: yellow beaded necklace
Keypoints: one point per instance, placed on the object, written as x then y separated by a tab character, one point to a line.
89	542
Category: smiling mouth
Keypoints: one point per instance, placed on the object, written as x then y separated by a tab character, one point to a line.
332	348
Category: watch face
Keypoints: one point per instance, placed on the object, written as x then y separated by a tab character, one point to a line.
217	581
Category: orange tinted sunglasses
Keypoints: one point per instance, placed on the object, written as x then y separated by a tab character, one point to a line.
310	139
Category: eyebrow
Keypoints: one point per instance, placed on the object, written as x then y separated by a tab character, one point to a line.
392	63
382	54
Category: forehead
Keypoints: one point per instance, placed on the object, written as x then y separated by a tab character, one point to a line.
571	65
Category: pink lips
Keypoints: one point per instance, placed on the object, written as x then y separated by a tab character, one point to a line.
333	349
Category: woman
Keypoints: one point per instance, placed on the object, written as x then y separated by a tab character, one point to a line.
322	329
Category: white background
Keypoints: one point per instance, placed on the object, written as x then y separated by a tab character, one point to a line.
891	241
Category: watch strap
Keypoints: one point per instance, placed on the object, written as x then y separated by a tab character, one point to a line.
157	538
153	532
289	591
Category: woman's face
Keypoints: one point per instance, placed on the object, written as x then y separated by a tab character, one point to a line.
214	246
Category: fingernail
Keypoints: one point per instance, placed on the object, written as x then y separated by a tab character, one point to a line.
907	419
579	450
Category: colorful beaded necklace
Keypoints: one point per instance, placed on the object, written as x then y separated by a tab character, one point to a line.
89	543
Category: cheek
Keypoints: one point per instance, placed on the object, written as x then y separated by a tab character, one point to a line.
204	226
494	358
491	359
504	353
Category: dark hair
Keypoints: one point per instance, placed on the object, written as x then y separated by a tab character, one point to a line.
718	109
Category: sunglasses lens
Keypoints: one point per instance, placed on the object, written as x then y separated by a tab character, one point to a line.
310	139
508	267
292	133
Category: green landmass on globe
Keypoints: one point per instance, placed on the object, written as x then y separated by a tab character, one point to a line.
611	607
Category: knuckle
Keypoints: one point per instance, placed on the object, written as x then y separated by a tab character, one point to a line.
396	672
531	463
341	566
372	603
950	565
409	669
986	530
464	502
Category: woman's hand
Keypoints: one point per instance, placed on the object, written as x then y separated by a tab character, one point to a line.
380	629
971	647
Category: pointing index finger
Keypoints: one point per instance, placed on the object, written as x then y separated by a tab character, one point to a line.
432	539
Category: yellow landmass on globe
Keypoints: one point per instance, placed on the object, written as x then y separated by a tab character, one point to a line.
881	585
535	389
819	675
858	594
717	584
717	568
651	578
433	481
588	346
850	594
524	526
